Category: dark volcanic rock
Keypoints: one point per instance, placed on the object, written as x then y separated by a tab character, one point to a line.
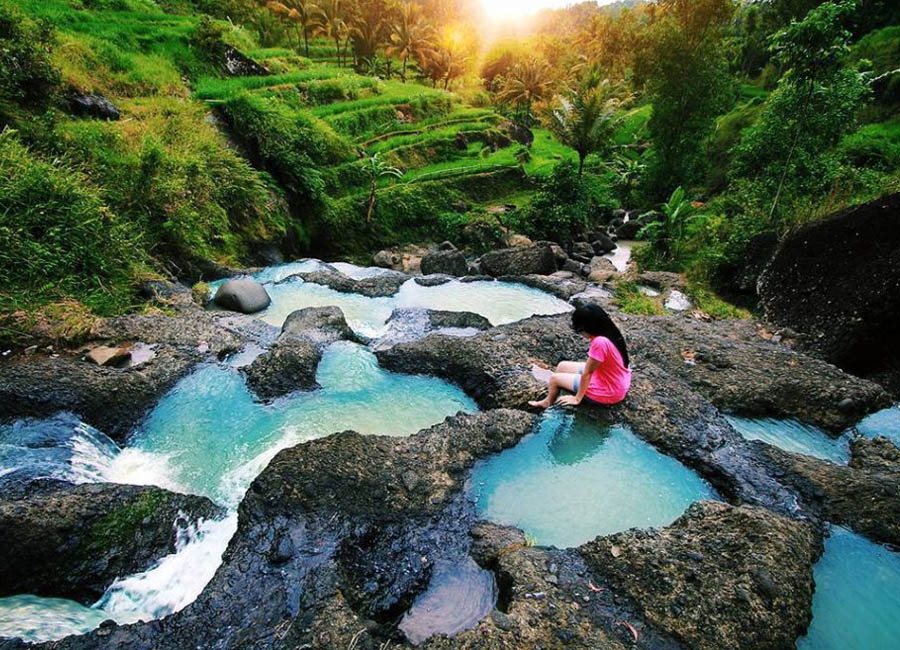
242	295
111	399
114	399
737	368
291	363
460	319
538	259
92	105
719	577
838	281
446	262
238	64
386	284
864	496
72	541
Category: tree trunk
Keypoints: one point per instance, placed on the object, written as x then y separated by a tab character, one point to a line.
337	46
403	74
306	40
581	157
371	209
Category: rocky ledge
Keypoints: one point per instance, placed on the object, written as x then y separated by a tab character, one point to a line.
290	363
72	541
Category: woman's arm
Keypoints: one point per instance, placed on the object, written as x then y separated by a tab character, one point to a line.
575	399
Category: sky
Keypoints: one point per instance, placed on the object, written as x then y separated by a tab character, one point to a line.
519	8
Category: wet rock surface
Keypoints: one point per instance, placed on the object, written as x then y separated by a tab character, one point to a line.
290	363
537	259
72	541
339	536
864	496
746	569
242	295
108	398
383	285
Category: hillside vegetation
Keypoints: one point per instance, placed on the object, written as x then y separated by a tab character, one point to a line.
378	123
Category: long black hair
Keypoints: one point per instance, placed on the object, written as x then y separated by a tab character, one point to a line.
591	318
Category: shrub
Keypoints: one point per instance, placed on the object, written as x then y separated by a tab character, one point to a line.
27	76
874	145
566	205
59	238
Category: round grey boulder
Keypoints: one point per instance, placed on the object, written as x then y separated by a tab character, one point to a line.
243	295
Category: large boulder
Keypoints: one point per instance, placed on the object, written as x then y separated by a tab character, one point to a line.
445	262
242	295
719	577
291	362
72	541
92	105
838	281
536	259
377	286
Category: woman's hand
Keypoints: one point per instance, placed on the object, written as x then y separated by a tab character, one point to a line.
569	400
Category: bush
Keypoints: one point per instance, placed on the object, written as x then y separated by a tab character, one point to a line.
874	145
27	76
566	205
292	145
59	238
179	182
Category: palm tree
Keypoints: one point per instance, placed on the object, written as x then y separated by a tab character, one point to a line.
411	36
376	168
330	24
368	30
528	81
586	118
302	13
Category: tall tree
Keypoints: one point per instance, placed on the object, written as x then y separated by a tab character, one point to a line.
787	155
411	36
681	63
586	117
303	14
528	81
331	24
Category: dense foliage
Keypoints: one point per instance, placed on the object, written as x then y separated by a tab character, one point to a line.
387	122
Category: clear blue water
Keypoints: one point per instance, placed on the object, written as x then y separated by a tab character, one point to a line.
215	438
573	480
499	302
208	436
794	436
882	423
856	605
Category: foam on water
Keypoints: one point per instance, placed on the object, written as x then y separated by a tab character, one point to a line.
856	605
209	436
573	480
37	619
176	580
794	436
217	438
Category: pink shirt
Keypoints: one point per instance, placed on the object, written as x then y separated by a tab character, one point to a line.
611	379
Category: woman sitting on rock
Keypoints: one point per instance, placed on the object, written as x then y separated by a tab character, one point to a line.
604	378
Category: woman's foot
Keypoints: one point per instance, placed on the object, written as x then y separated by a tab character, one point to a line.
541	404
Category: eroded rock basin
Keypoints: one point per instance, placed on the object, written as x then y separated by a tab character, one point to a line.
367	538
573	480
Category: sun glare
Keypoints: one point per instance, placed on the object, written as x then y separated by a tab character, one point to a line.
512	9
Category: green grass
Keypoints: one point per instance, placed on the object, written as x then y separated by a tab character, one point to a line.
630	300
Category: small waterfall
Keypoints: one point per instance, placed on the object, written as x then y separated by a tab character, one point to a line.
177	579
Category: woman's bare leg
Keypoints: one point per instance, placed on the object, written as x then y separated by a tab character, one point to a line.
571	367
558	380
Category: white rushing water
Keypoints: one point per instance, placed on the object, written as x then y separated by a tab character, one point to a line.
209	436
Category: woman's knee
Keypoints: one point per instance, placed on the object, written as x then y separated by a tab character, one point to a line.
568	367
